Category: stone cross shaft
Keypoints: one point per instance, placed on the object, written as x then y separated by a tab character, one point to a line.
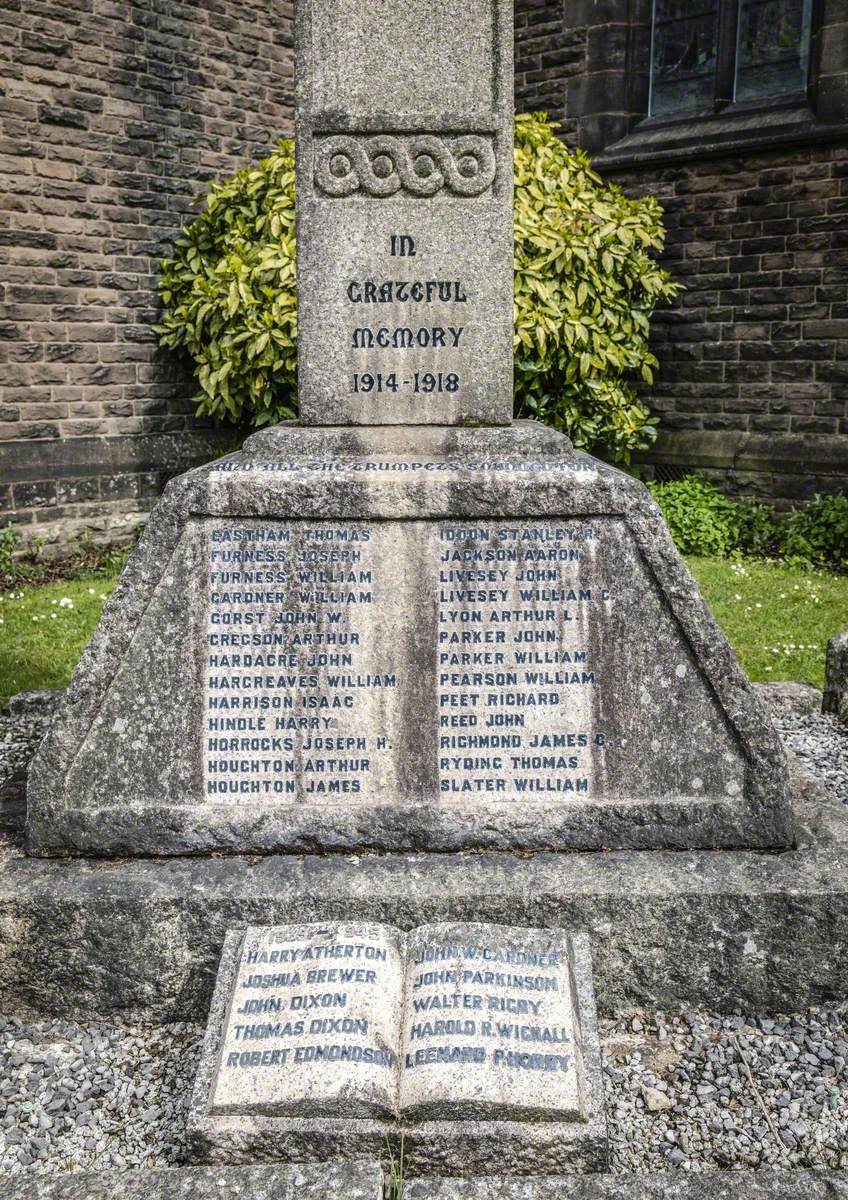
404	211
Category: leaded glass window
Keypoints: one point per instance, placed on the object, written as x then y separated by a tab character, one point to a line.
706	54
683	56
772	48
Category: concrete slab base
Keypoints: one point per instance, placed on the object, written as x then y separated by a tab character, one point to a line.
322	1181
136	938
711	1185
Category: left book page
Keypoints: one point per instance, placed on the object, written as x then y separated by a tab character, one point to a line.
313	1026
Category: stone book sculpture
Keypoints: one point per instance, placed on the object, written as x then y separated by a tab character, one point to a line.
327	1038
403	622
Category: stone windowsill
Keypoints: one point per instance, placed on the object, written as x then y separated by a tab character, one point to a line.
738	128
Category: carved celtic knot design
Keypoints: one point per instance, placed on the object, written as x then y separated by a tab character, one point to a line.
420	164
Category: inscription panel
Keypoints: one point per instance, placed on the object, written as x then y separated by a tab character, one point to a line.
489	1021
451	663
312	1023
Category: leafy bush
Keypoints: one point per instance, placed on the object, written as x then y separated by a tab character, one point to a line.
229	294
585	287
8	542
704	522
700	519
758	529
818	531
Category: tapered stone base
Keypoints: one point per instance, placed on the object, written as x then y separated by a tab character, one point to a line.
407	639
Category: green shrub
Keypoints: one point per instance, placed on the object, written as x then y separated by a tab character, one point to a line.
818	531
759	533
585	287
8	542
229	294
704	522
700	519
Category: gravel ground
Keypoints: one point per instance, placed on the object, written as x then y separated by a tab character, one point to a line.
88	1097
694	1091
700	1091
820	741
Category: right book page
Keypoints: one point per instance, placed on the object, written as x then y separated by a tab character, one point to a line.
489	1025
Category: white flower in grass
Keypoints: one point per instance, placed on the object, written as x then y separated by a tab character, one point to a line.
66	602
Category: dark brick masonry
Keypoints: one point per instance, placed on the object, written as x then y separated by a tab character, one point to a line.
113	115
754	355
753	380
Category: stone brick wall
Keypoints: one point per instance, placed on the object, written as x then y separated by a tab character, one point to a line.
113	115
550	50
753	380
573	58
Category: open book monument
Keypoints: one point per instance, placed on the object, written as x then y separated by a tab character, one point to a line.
476	1043
404	622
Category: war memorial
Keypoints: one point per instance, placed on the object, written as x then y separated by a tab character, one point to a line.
406	740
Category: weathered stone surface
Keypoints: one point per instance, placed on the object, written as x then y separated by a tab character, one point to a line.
404	195
419	693
354	1180
766	932
789	698
297	1011
508	1075
710	1185
301	1060
836	677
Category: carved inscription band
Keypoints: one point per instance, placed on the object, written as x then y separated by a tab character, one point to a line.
420	164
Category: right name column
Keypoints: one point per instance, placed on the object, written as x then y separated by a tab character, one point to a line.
518	603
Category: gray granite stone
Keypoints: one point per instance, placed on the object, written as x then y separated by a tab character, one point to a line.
836	677
766	932
403	128
491	642
474	1046
679	1185
308	1030
353	1180
789	698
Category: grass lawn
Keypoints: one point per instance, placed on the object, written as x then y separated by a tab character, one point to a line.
44	629
777	618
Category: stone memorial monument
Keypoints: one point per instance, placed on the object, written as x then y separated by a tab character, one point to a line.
403	622
475	1044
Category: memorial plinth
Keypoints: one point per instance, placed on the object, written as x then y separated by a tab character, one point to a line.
492	643
474	1044
380	628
